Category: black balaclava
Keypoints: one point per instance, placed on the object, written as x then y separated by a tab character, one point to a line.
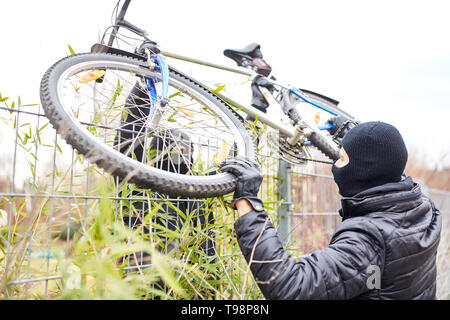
377	156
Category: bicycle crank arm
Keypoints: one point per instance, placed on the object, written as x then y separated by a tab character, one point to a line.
301	135
306	130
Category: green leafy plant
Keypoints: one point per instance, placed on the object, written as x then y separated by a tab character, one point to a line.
74	233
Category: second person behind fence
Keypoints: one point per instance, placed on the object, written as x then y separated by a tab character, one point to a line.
170	150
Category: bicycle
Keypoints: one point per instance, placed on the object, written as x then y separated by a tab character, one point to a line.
106	102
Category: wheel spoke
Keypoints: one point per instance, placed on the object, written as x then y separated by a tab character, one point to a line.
112	108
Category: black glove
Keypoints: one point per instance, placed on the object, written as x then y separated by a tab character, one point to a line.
258	99
249	179
337	122
341	125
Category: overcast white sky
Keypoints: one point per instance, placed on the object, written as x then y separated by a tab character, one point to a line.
384	60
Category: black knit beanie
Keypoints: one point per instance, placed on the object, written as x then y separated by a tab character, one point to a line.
377	156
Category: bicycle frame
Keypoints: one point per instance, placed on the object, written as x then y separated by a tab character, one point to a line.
261	116
291	131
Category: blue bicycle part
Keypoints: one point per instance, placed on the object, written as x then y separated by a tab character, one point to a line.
163	99
164	69
310	102
325	126
153	96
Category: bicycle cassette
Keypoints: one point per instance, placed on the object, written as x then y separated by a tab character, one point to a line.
296	154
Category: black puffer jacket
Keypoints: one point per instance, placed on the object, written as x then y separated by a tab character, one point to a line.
393	228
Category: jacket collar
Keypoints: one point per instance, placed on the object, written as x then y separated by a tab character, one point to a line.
398	196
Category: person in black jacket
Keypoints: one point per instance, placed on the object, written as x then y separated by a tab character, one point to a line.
170	150
385	247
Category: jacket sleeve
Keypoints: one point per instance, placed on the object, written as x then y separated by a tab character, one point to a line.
340	271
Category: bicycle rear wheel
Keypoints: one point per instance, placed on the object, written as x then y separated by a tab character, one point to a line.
102	106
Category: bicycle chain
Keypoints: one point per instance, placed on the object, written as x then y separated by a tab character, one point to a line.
283	150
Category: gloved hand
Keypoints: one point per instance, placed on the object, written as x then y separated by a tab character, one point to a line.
249	181
338	122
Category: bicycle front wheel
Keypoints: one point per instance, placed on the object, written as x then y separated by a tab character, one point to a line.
104	106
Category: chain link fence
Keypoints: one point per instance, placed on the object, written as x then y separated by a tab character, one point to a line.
53	203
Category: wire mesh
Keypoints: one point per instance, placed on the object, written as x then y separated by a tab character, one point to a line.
49	194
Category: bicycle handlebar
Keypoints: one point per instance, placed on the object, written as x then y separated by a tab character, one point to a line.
122	12
121	22
119	18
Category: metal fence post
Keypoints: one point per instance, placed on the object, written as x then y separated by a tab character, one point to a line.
285	198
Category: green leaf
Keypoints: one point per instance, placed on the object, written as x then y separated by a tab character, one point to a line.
218	89
41	128
175	94
72	52
164	270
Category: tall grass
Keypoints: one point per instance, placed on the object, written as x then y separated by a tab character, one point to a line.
65	229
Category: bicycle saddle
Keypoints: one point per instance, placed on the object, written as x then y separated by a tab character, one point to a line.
249	52
249	56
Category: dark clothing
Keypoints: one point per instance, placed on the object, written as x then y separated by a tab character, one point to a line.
393	227
199	211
